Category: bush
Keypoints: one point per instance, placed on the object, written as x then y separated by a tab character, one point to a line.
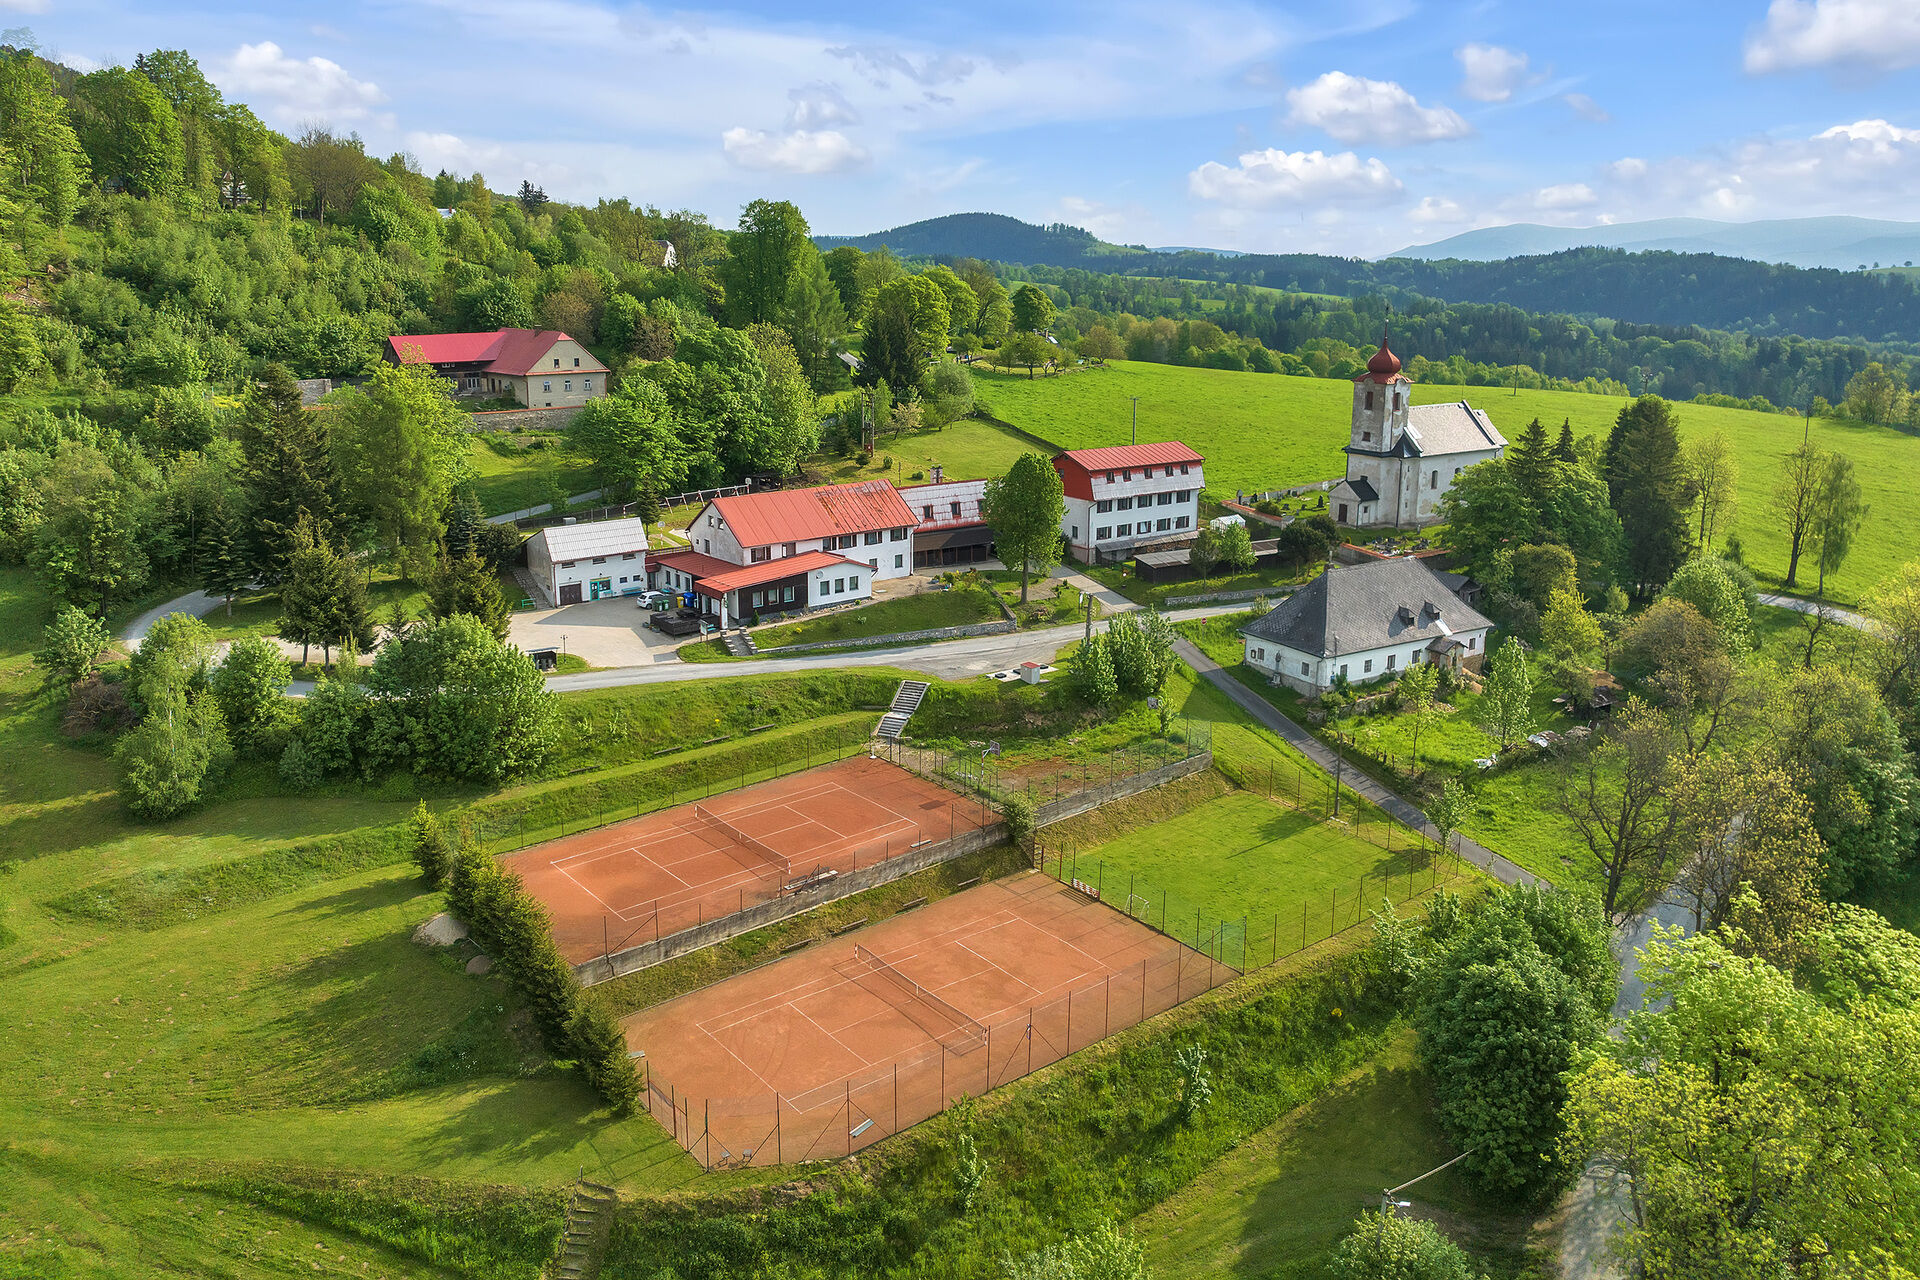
1021	824
179	750
432	851
250	687
1398	1249
71	646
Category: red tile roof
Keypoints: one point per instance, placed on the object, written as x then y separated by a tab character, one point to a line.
833	510
1117	456
509	352
754	575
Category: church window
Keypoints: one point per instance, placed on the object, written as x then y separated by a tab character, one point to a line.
1366	437
1434	483
1369	398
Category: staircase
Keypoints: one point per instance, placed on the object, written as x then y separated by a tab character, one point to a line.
739	644
589	1219
905	703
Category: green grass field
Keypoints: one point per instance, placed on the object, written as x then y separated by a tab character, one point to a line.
1265	431
965	450
525	479
922	611
1276	1205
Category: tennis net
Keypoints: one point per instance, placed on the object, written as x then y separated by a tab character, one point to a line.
741	838
929	1012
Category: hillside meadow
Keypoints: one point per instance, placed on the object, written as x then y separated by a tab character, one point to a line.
1269	431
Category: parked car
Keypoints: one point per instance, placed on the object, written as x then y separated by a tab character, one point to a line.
655	599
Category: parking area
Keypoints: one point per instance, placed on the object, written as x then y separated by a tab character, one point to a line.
606	633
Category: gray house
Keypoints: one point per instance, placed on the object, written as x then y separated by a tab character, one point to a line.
1367	621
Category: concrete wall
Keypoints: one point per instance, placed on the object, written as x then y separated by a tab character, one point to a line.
634	959
901	637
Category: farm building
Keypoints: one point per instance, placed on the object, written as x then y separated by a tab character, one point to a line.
541	368
579	562
951	528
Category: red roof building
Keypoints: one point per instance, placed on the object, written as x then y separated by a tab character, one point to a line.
541	368
1129	497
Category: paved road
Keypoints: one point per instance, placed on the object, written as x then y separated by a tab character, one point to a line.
197	603
1501	869
1845	617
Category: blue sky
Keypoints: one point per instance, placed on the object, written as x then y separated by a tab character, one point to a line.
1353	127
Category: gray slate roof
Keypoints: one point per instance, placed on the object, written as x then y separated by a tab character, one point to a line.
1352	608
1452	428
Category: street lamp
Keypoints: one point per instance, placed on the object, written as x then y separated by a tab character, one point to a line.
1387	1201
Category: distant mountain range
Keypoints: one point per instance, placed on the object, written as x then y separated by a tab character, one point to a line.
1845	244
998	238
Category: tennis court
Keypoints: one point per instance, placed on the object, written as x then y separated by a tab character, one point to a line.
857	1037
631	882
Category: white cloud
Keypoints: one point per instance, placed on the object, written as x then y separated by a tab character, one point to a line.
1564	196
879	65
1354	109
808	151
24	6
819	106
1586	108
1628	168
1817	33
1436	209
262	75
1878	135
1273	176
1491	72
1109	222
1863	168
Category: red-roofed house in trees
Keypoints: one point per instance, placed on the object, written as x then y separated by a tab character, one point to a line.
1401	459
1121	497
541	368
760	553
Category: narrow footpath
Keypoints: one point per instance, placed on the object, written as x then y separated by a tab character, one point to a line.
1501	869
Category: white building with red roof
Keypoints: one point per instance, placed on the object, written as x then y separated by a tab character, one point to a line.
541	368
1121	497
1401	457
790	549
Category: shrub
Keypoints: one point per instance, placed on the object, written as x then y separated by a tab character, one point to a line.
71	646
250	687
178	751
600	1047
1398	1249
432	851
1020	819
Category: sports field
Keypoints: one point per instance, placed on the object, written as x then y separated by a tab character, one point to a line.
619	886
1266	431
864	1035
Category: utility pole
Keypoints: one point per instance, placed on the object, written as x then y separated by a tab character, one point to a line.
1136	418
1387	1201
1087	600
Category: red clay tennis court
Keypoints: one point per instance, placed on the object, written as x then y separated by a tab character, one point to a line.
860	1036
632	882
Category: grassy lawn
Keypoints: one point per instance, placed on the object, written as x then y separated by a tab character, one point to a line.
1264	431
964	450
1120	578
1245	856
510	478
1277	1205
923	611
1051	602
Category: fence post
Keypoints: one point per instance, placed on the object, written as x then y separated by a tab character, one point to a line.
779	1146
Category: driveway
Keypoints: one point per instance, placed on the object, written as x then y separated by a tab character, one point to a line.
1834	613
607	633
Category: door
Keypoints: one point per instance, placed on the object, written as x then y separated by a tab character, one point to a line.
602	587
569	593
1342	517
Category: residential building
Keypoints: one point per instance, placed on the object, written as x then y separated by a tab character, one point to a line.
792	549
1367	621
1402	458
541	368
1121	497
574	563
951	528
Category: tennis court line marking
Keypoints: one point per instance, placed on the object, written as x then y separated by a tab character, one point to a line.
625	843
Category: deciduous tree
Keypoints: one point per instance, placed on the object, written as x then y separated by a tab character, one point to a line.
1796	499
400	447
1618	796
1504	709
906	327
250	686
1024	509
1715	473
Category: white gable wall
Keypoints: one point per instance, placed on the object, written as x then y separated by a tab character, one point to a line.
1313	674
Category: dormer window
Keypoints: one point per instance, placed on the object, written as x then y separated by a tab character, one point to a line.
1405	614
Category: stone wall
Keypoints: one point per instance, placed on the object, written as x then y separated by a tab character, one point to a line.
1251	593
899	637
773	911
556	419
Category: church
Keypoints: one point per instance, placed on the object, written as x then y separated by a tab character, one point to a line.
1402	458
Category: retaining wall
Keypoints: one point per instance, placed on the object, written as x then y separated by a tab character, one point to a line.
899	637
556	419
1119	789
1252	593
773	911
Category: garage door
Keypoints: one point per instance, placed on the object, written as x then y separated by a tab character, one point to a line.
569	593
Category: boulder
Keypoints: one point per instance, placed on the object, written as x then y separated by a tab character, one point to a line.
441	931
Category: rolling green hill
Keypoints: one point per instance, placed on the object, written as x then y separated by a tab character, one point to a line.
1267	431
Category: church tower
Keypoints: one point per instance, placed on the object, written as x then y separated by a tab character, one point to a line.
1380	398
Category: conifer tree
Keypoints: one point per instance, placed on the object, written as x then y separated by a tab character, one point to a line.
1563	450
223	567
323	600
288	474
1530	459
468	585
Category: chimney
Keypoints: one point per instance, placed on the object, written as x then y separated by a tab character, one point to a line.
937	473
568	520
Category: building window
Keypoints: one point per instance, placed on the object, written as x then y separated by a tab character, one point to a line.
897	535
1183	468
566	564
1179	522
1471	642
576	364
1162	525
1166	499
1368	668
1369	398
546	384
786	595
1181	495
760	555
1456	473
586	384
873	563
786	548
1103	506
850	540
1343	668
899	562
556	362
568	386
1366	437
1103	533
758	599
1393	660
853	584
1434	483
1303	668
926	512
956	510
873	537
599	559
839	585
1125	504
1075	532
1109	477
1126	475
1169	472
